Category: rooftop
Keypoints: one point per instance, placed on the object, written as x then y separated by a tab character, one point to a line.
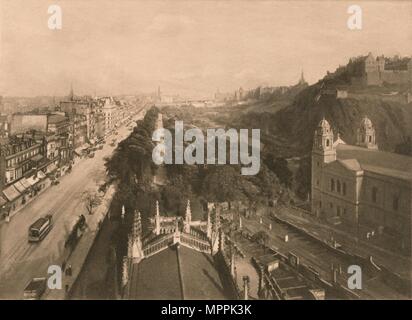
176	273
376	161
56	118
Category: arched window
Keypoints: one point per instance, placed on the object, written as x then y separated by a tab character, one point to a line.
370	138
338	186
374	194
327	142
344	189
332	185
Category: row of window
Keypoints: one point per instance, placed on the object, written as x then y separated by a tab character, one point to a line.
17	148
340	187
395	198
13	175
22	157
340	211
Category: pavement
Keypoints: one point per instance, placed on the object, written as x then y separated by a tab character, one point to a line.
80	253
20	261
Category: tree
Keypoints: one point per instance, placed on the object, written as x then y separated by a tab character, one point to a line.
134	153
280	167
223	183
303	178
91	200
404	147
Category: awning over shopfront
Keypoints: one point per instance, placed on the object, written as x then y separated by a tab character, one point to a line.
32	180
25	183
37	158
11	193
19	186
41	175
78	151
51	167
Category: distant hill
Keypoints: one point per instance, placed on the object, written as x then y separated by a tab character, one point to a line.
290	128
392	120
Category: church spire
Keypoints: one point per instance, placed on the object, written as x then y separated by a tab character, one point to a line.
71	94
302	78
137	226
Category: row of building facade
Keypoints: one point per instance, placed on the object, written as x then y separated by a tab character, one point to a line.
37	146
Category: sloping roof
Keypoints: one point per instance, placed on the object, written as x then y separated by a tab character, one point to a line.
380	162
19	186
11	193
156	277
199	276
41	175
51	167
25	183
78	151
37	157
32	180
351	164
176	273
56	118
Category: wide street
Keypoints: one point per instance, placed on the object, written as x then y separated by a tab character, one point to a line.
20	261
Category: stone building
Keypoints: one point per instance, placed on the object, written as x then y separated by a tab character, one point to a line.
361	187
16	158
379	70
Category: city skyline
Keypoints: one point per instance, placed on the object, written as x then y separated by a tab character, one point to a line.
137	46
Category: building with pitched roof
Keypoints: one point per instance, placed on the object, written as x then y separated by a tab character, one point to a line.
176	259
360	186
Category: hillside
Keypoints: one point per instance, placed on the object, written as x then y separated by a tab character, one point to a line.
297	122
290	129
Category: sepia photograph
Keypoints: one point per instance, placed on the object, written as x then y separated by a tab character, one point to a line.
205	150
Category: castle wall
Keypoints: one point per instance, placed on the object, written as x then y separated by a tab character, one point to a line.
396	76
373	78
359	81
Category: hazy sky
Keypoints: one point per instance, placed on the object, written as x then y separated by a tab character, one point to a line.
188	47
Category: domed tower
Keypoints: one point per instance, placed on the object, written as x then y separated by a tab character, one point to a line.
323	143
323	152
366	134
